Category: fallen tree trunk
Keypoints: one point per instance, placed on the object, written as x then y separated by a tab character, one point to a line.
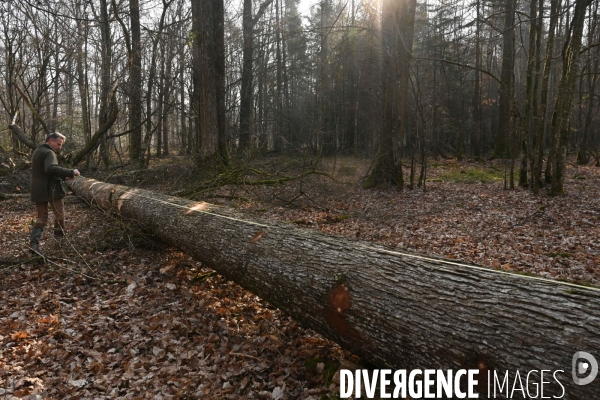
392	308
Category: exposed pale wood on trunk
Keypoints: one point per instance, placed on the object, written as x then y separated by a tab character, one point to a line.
389	307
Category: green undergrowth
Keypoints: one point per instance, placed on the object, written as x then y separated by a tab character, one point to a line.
470	174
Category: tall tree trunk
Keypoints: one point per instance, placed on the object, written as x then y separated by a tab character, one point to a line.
533	151
326	142
583	156
70	88
208	71
160	104
562	107
168	80
82	77
278	144
553	134
529	94
54	119
46	98
182	113
397	32
392	308
476	135
540	125
503	148
135	87
196	72
105	77
246	87
285	108
218	55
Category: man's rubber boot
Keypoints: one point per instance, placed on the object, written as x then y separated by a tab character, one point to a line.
59	235
34	240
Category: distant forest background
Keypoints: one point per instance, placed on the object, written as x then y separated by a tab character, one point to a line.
398	81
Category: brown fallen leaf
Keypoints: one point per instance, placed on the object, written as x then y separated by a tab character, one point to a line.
52	319
19	335
257	237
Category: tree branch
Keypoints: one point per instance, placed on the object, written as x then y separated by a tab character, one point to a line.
33	110
19	133
589	47
91	145
261	11
488	73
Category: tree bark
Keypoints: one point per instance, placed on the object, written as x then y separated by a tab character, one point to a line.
390	307
105	78
185	146
166	109
397	33
278	144
562	107
21	136
56	83
246	85
208	79
160	105
82	76
135	79
540	123
583	155
525	142
476	134
502	148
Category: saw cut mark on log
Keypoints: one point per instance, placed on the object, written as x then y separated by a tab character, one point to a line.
392	308
201	207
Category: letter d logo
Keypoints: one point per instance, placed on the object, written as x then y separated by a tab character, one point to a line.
582	367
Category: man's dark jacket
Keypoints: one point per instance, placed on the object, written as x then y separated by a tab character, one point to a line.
46	175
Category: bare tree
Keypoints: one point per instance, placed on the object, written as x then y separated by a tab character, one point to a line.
397	40
247	90
562	106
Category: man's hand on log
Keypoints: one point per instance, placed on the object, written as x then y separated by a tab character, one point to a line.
75	173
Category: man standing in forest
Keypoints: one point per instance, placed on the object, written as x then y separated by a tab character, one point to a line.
46	187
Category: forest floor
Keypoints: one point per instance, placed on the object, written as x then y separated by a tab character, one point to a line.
114	314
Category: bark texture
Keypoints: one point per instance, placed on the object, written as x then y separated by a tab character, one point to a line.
502	148
391	308
397	35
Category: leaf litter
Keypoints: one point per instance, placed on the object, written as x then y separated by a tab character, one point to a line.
114	315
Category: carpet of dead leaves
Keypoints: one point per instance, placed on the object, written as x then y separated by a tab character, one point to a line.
114	315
